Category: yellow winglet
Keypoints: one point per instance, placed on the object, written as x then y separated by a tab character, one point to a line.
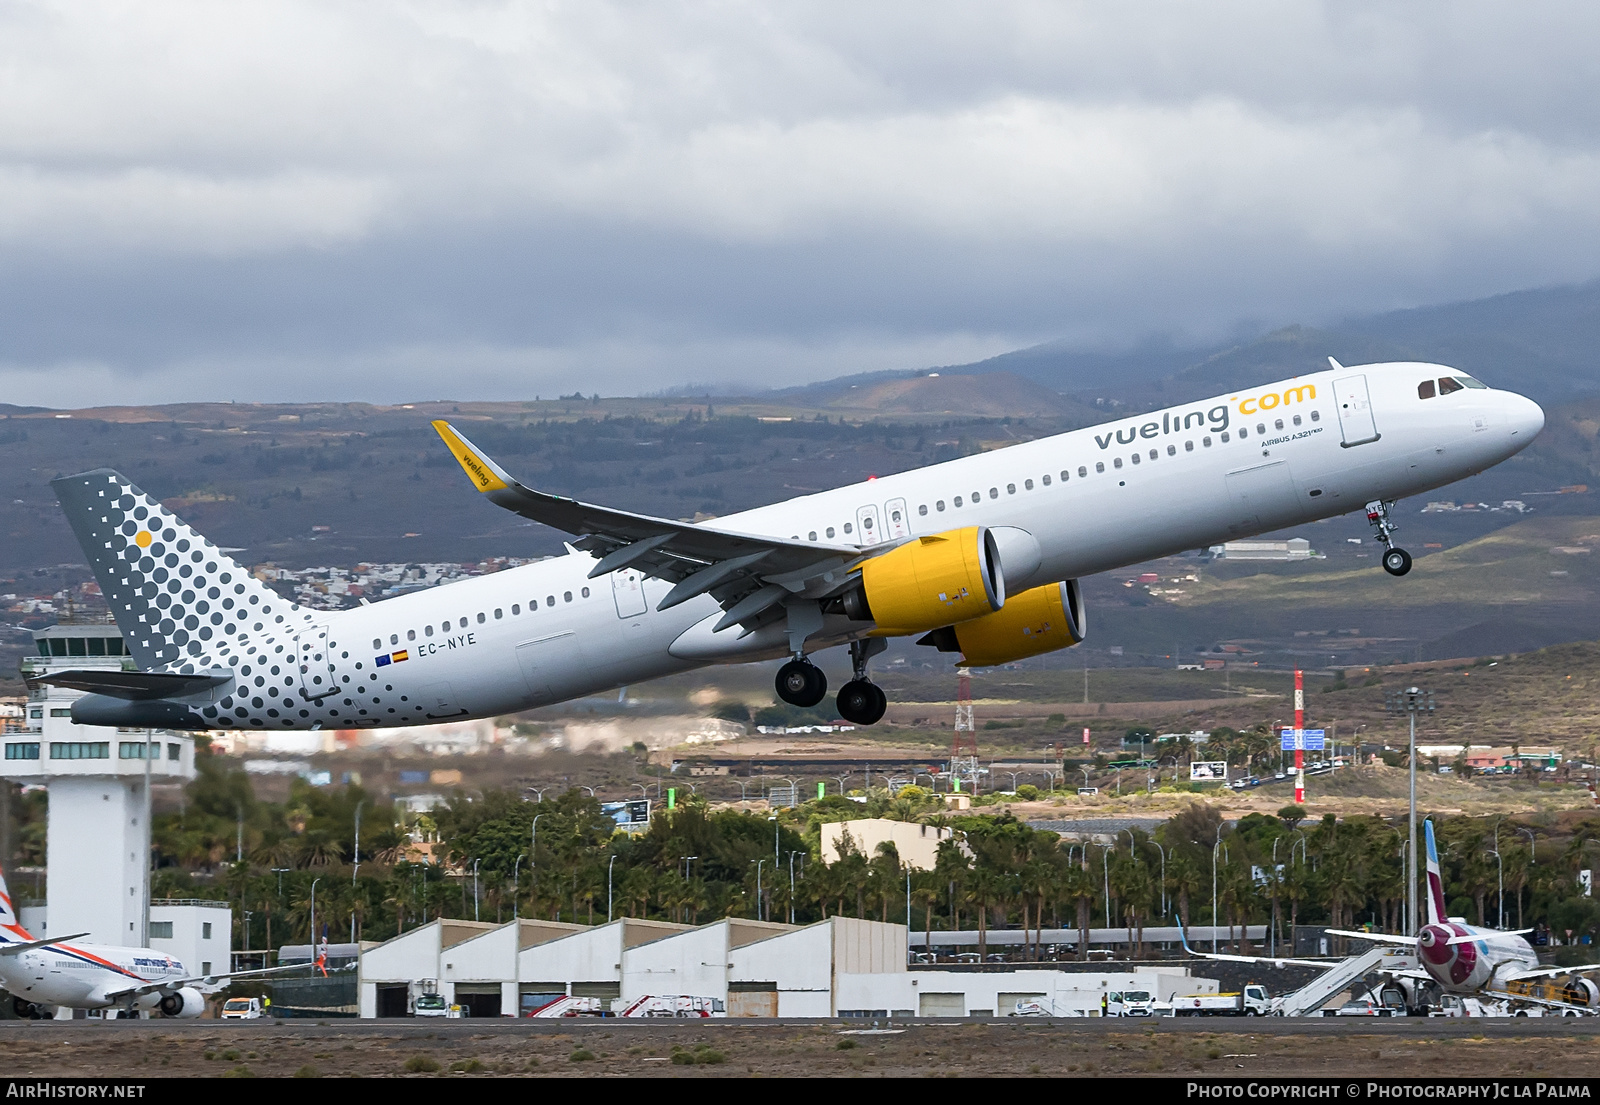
482	471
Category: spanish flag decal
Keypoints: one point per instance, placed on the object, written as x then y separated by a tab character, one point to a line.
401	655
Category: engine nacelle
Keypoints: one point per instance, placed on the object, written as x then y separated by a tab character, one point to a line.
1041	619
928	582
187	1002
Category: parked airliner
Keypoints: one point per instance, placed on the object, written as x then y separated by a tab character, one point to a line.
1482	962
979	556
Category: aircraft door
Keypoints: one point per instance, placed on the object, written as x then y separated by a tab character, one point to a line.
316	667
895	522
627	587
868	531
1355	411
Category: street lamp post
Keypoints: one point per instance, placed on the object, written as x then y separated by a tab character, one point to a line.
1085	776
1411	702
475	890
1105	871
1163	852
314	915
759	863
608	888
516	886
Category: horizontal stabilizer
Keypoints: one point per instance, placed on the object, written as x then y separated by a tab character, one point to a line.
22	946
1374	937
137	686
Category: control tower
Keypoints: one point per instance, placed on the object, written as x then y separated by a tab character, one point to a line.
99	779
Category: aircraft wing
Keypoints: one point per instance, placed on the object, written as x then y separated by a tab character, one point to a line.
1546	972
747	573
1276	961
1377	937
168	985
1564	1006
22	946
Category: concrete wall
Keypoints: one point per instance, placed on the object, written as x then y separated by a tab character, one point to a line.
97	850
917	845
202	935
413	956
995	993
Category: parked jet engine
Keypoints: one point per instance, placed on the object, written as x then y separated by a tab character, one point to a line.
187	1002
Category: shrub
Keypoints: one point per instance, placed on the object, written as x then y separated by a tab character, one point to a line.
308	1071
708	1056
422	1064
581	1055
846	1044
682	1058
1028	792
240	1071
231	1055
467	1066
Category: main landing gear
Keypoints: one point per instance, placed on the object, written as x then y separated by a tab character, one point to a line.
1397	562
860	701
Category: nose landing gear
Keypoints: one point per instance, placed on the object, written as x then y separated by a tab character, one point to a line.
862	701
1396	561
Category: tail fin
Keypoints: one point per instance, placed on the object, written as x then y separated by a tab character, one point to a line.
1436	908
10	923
181	604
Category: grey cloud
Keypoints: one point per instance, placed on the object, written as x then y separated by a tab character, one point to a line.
294	200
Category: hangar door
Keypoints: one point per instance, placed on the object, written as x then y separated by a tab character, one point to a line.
393	999
752	999
941	1005
479	1000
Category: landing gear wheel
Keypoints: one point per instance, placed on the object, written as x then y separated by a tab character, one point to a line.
801	683
861	702
1397	562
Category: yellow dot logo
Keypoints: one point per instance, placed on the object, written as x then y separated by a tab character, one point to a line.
142	539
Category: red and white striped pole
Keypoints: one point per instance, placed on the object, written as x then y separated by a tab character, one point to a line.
1299	738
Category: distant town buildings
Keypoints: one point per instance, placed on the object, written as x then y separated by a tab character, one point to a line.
1450	506
1295	548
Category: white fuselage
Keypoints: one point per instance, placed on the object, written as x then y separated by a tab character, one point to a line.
80	976
1063	507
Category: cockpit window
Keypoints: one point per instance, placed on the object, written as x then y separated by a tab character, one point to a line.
1447	385
1471	383
1425	390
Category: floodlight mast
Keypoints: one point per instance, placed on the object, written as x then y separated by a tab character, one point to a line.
1411	702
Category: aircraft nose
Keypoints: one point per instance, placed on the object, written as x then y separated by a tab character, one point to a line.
1526	417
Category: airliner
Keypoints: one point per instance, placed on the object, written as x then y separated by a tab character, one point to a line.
979	556
1461	959
43	975
1483	962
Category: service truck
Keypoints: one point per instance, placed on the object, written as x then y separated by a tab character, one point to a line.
1252	1001
1130	1003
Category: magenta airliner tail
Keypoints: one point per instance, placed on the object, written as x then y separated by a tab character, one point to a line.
1436	908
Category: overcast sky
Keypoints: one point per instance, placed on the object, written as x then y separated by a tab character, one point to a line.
393	201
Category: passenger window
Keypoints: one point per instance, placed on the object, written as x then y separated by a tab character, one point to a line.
499	613
1261	428
1224	435
957	500
444	627
533	604
584	592
411	634
894	516
867	522
1154	453
1316	416
377	642
1244	432
922	510
1099	466
394	638
1172	450
516	608
1066	474
1447	385
1134	458
847	527
1297	420
829	531
812	535
994	493
1082	471
1206	441
1027	485
566	596
1046	480
1188	446
1011	489
1278	425
549	600
463	623
939	505
1117	462
482	618
977	497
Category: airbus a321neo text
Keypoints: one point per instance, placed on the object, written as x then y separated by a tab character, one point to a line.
979	556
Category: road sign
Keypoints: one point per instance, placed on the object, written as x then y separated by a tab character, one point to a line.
1206	771
1311	740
